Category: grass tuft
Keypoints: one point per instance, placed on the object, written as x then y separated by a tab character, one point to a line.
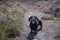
14	11
4	9
8	31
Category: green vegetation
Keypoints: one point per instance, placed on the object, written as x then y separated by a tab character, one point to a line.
21	14
4	9
55	19
14	11
18	21
12	32
7	31
13	19
2	33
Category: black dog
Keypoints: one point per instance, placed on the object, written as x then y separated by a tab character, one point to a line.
34	23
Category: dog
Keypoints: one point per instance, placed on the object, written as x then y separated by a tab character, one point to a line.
34	23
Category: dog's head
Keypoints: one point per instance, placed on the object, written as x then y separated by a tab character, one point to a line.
33	19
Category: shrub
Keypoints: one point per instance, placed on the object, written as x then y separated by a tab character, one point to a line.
12	32
2	34
7	31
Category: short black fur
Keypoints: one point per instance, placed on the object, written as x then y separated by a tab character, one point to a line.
37	23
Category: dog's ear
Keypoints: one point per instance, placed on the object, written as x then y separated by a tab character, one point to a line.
36	17
30	18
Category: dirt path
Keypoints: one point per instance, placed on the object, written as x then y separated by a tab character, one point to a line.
47	33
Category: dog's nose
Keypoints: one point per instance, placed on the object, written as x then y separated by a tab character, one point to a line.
33	20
